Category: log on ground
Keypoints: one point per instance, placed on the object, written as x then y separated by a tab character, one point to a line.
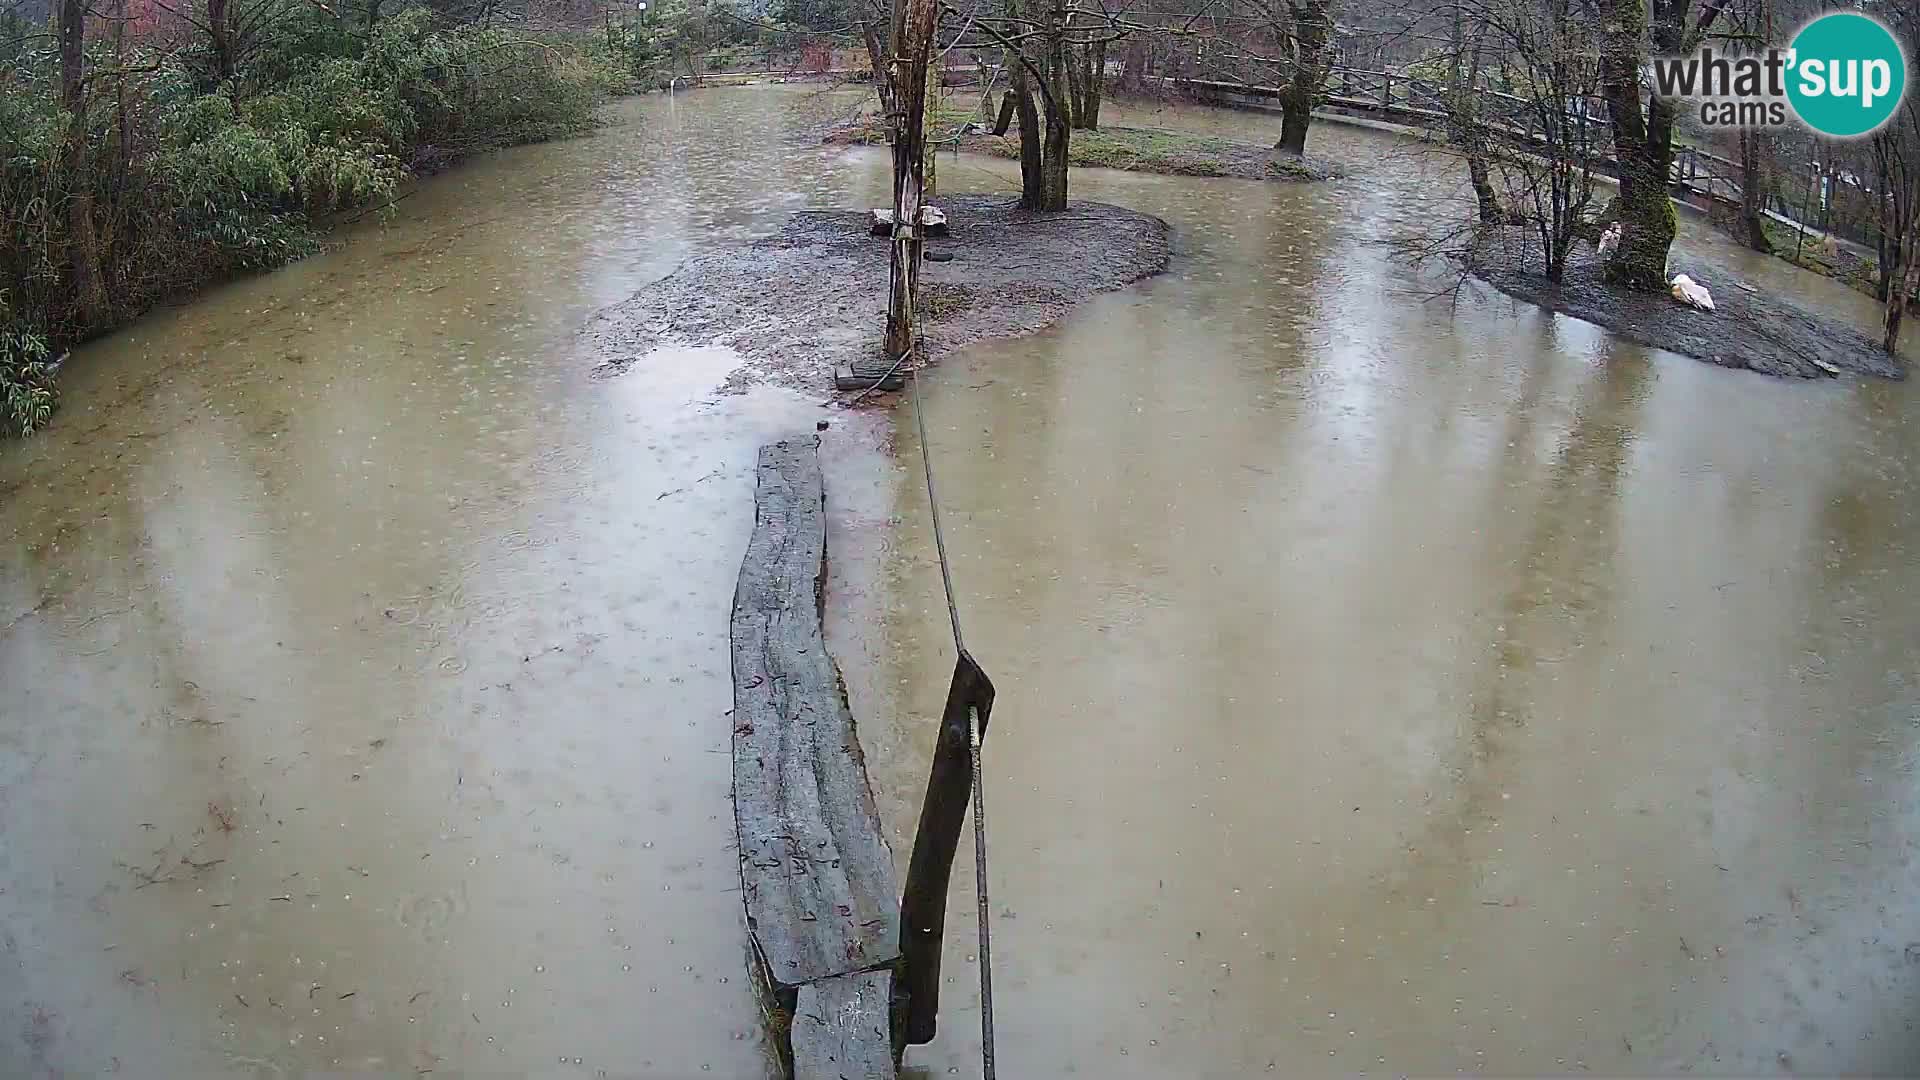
840	1028
817	875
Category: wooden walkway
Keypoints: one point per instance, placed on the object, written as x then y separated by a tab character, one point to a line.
822	910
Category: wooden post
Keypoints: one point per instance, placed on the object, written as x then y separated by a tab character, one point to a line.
913	22
923	902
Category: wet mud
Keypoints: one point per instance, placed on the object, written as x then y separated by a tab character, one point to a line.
814	294
1751	327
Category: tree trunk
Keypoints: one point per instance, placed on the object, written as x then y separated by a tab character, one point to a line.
1094	87
1753	193
1032	183
912	41
1312	32
1464	119
220	39
1643	146
1898	293
1133	65
879	58
1643	137
1887	243
1053	157
83	249
1076	84
1294	119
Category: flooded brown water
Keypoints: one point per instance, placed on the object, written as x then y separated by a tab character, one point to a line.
1385	686
365	662
1407	688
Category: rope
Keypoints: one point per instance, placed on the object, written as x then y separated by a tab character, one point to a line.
982	902
983	905
933	505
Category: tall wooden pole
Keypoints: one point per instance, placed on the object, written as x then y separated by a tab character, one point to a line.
913	23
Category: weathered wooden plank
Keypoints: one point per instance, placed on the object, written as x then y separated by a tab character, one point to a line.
817	875
849	377
840	1029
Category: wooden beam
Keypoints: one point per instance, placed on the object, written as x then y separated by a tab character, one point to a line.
817	876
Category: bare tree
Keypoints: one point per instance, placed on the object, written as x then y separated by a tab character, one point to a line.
1038	37
1546	160
1532	159
1465	60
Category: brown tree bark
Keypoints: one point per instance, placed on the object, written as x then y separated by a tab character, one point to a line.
1093	86
83	249
1076	85
1643	135
1055	106
881	60
913	22
1900	288
1463	118
1312	33
1133	65
1753	193
1032	183
220	38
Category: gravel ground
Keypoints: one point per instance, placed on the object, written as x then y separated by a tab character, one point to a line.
814	295
1747	329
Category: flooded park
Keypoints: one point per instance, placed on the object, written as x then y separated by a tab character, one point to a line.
1386	684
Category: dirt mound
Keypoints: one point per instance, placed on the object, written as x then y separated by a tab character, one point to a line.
814	294
1747	328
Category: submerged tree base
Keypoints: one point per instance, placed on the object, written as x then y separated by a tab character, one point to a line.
814	295
1748	329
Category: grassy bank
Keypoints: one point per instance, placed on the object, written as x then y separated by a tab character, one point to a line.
182	167
1158	150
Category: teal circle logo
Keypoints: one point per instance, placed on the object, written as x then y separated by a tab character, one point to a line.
1846	74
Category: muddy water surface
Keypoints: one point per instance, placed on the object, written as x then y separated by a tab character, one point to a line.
1412	688
1385	686
364	662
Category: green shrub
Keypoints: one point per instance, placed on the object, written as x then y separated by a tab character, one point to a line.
192	184
26	382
